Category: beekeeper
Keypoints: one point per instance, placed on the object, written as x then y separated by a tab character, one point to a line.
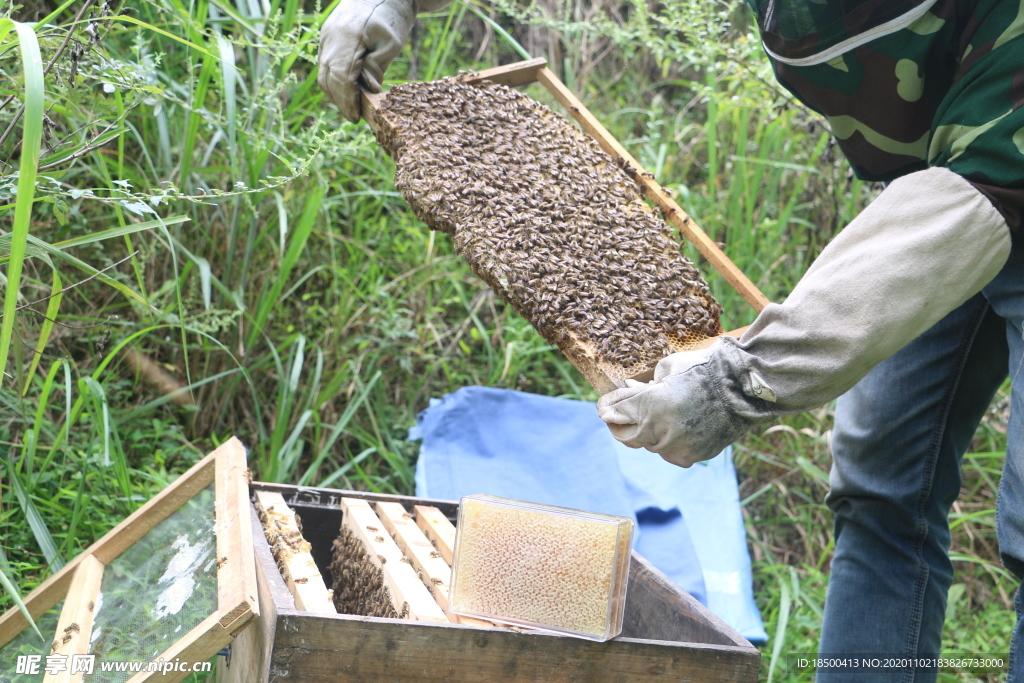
912	316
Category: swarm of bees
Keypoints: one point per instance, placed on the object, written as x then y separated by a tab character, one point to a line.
547	219
284	541
359	585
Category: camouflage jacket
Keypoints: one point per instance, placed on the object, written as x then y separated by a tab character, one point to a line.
908	84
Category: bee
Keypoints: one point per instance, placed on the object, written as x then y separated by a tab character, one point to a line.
222	561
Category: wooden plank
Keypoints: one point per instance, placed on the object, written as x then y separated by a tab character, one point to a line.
370	105
75	624
236	564
291	550
316	648
405	587
435	573
248	660
437	529
198	645
672	211
657	609
311	496
513	75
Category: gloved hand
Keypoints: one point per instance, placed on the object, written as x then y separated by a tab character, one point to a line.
358	42
926	245
682	414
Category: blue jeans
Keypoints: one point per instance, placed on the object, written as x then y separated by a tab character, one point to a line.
899	438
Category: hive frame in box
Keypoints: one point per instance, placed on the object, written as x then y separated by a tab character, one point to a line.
78	582
667	635
536	71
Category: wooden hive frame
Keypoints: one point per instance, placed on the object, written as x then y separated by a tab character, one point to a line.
535	71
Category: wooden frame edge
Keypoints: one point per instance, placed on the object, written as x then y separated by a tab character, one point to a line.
404	587
236	585
74	628
301	574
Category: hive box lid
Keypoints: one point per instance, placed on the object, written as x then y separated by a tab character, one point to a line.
172	590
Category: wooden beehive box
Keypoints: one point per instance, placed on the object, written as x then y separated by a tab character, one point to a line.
667	635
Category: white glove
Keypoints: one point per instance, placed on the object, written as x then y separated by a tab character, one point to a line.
360	39
681	413
926	245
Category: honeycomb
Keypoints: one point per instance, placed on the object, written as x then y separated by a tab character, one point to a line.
546	217
541	566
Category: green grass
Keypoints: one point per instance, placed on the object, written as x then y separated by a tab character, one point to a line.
197	200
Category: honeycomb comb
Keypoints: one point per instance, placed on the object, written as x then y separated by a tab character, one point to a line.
541	566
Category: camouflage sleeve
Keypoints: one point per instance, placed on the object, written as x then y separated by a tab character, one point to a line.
978	129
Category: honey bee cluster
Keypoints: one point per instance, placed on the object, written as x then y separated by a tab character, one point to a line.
528	565
547	219
284	535
358	585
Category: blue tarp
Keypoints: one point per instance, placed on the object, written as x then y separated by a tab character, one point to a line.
557	451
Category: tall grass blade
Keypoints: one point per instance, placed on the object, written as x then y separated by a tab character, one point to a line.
150	27
296	245
513	43
52	307
81	502
339	428
100	397
101	235
780	627
35	520
32	65
12	590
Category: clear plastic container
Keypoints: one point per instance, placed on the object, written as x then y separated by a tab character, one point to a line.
541	566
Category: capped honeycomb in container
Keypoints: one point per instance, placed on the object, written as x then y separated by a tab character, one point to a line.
550	221
541	566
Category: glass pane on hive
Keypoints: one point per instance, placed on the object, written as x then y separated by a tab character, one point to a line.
159	589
